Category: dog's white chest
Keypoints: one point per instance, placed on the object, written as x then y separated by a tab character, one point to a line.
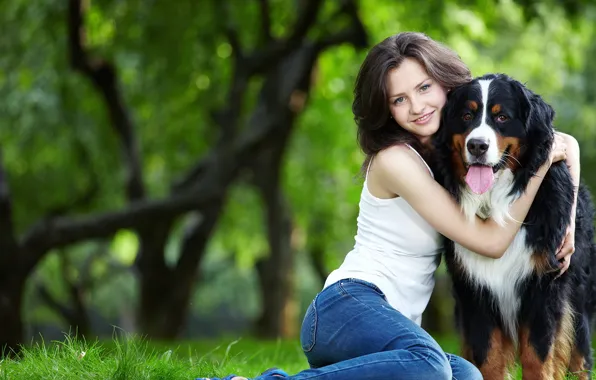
500	276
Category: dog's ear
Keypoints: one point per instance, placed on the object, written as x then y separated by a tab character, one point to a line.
535	111
538	117
447	115
449	109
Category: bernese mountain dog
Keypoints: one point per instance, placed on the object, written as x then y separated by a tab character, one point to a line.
495	134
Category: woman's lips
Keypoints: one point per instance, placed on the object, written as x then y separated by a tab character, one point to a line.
424	119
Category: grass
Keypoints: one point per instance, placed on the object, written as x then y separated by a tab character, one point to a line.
133	358
127	358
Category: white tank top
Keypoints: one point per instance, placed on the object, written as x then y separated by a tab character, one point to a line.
395	249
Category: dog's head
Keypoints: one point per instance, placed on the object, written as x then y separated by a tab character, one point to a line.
493	124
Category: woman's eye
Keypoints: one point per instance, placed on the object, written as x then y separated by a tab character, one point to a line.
399	100
502	118
425	87
467	116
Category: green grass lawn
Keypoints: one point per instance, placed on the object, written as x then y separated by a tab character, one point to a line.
138	359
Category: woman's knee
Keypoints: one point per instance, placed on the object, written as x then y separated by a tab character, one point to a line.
470	372
439	365
463	369
474	373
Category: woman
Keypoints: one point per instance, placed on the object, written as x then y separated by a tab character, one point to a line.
365	323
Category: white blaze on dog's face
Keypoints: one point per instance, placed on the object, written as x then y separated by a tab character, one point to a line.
481	149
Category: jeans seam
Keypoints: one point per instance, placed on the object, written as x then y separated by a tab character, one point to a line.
346	368
450	357
313	328
366	283
345	292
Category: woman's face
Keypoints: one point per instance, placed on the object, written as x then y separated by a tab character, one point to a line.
415	99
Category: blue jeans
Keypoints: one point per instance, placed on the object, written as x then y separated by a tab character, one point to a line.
351	332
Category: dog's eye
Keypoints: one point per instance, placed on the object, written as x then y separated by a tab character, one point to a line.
502	118
467	116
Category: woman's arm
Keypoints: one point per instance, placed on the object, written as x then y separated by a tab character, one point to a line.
402	172
573	163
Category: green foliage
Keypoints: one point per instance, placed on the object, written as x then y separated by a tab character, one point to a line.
174	65
101	272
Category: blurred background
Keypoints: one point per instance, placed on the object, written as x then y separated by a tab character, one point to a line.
188	169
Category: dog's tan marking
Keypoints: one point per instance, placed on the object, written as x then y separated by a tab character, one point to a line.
533	368
458	143
472	105
564	343
500	357
577	365
541	264
513	143
496	109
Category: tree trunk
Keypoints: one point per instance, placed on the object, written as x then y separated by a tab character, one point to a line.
166	292
276	271
155	282
164	305
11	297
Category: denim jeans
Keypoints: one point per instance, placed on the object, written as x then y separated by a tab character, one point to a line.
351	332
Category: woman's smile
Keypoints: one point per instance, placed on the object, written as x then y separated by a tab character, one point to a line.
424	118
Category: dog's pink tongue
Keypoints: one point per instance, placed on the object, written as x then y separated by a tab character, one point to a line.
480	178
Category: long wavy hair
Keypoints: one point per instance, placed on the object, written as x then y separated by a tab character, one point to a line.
376	129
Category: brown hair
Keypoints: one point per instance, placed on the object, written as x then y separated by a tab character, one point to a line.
376	129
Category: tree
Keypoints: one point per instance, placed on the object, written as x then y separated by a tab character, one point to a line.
286	66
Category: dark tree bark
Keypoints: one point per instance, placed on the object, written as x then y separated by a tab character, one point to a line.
317	255
12	278
276	271
286	90
11	295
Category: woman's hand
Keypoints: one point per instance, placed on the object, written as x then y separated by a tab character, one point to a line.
566	249
559	149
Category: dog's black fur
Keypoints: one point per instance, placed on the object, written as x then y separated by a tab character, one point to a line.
540	334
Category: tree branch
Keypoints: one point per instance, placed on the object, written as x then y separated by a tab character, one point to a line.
53	303
265	21
355	33
222	168
61	231
261	60
258	61
227	117
7	236
103	76
76	291
77	315
230	29
196	238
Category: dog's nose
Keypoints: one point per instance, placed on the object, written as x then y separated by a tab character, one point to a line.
477	147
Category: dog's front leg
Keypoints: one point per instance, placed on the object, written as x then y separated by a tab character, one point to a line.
484	343
536	349
494	356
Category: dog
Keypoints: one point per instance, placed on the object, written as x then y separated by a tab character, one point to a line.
495	135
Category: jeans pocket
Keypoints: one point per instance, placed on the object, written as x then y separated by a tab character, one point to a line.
309	327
